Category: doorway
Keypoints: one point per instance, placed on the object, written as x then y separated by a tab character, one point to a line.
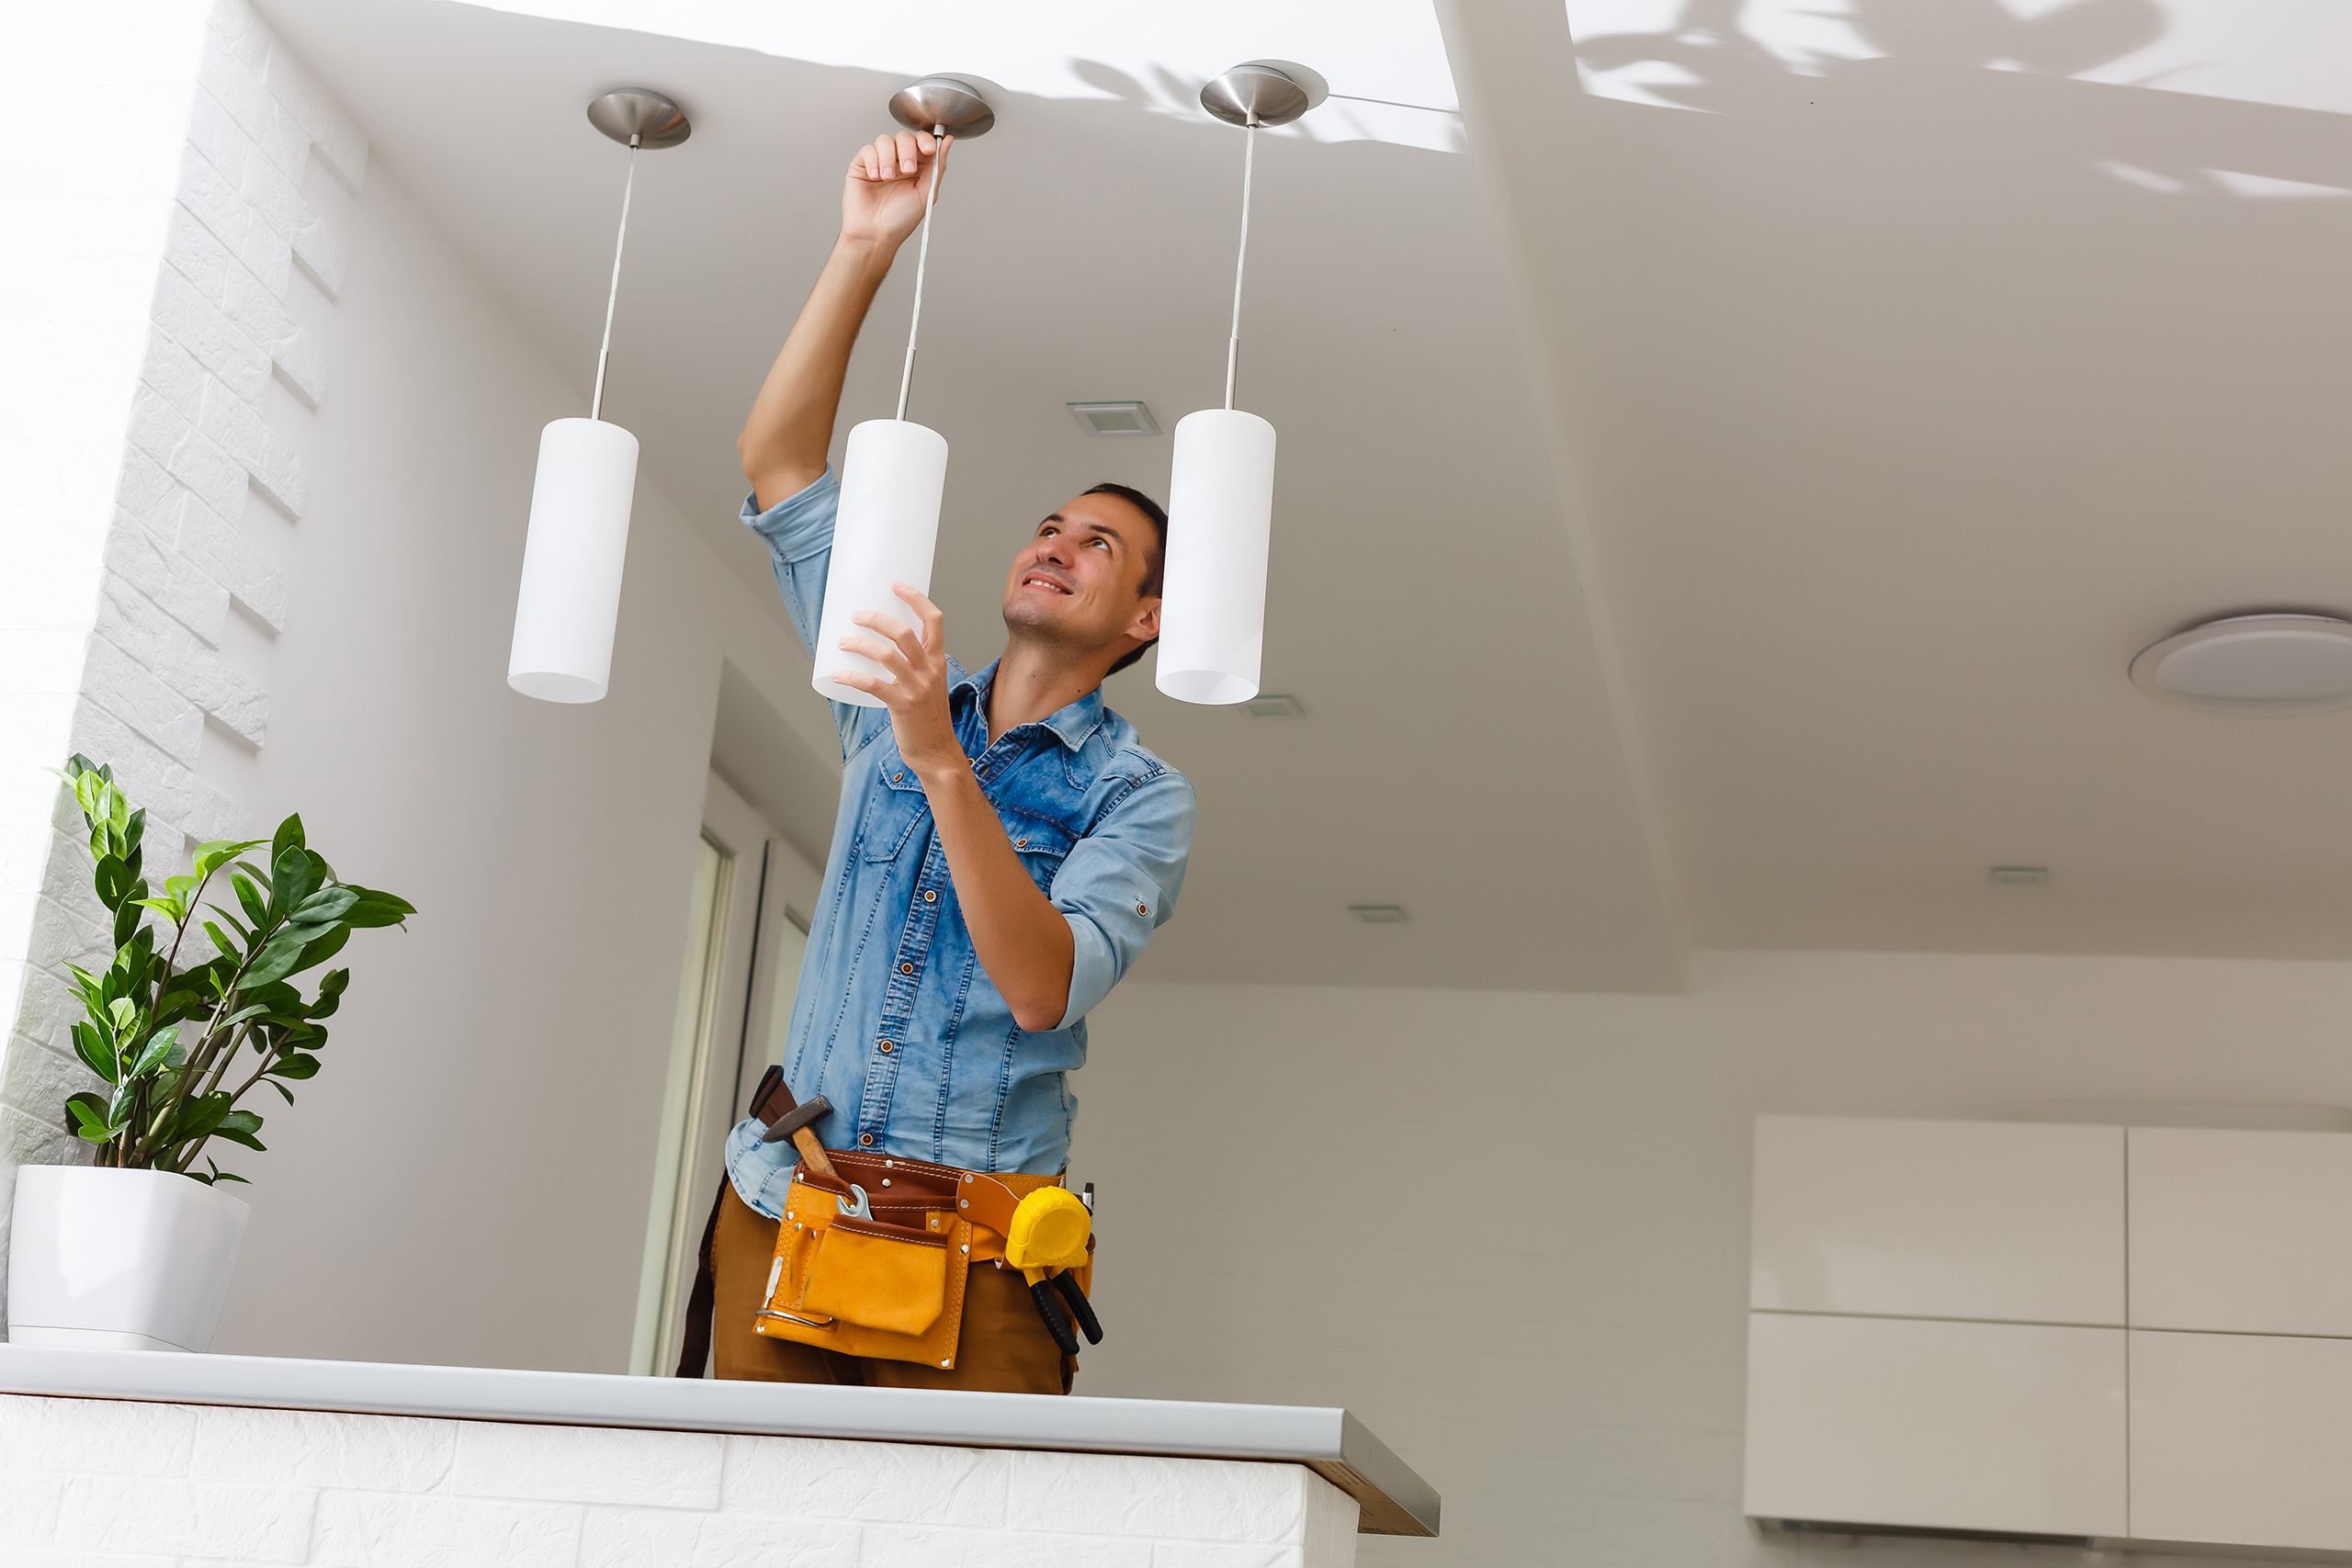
746	935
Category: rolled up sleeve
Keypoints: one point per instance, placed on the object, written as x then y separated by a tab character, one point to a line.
799	531
1119	883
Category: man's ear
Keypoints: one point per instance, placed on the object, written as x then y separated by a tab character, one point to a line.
1144	628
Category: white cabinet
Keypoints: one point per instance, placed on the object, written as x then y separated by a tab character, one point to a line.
2242	1438
1957	1426
2242	1232
2017	1222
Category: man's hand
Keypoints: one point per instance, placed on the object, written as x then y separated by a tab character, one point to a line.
1024	941
883	198
916	692
784	441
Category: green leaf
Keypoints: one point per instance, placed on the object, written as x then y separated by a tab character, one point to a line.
284	1093
291	878
118	1108
239	1127
169	908
96	1053
256	909
326	903
112	878
325	947
202	1115
377	908
277	957
122	1012
135	829
162	1046
88	794
177	1005
331	989
295	1065
289	835
212	857
85	1116
126	915
221	942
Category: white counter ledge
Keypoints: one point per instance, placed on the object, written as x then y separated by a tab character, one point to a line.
496	1464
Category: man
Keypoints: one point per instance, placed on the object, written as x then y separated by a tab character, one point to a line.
1004	849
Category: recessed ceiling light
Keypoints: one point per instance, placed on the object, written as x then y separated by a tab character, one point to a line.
2275	663
1378	914
1128	418
2021	875
1273	705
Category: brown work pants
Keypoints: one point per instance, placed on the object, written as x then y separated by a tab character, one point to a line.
1004	1348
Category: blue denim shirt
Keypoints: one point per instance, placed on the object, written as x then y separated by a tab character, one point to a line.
895	1022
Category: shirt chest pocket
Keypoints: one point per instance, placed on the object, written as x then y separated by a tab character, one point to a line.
893	808
1042	846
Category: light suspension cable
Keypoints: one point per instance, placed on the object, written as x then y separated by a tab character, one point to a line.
940	139
1241	257
620	241
566	605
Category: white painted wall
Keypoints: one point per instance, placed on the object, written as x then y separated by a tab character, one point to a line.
466	1180
146	338
1511	1230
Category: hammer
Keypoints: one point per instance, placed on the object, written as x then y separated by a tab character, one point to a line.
772	1103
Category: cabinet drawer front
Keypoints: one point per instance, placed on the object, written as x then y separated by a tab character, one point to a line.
2016	1222
1946	1426
2242	1232
2242	1438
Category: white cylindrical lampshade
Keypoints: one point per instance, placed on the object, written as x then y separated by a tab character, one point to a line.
892	477
1220	517
572	562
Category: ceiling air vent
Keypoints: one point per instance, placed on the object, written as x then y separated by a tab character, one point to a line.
1128	418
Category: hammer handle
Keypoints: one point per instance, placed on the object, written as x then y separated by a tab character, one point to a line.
812	1153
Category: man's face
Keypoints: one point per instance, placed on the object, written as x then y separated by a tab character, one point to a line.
1078	581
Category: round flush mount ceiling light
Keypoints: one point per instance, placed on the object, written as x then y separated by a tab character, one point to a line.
2265	663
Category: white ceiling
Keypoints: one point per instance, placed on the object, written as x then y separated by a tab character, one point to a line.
1718	509
1457	755
1912	396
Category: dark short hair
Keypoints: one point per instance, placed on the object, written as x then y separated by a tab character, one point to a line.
1158	514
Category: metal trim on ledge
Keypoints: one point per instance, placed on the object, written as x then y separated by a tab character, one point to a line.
1330	1441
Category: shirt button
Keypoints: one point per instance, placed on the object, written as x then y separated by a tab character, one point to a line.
1020	843
906	968
865	1140
898	777
931	895
1141	910
884	1047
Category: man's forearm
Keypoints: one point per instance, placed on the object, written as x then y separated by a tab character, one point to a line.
784	441
1023	943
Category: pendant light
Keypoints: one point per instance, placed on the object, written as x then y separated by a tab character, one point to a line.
894	472
1221	487
571	597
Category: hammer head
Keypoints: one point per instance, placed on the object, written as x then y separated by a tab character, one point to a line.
772	1104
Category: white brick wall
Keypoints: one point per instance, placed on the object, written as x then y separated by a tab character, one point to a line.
97	1483
143	323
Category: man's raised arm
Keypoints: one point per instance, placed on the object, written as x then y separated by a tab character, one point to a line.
784	441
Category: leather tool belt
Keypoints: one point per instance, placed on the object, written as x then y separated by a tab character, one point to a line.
885	1277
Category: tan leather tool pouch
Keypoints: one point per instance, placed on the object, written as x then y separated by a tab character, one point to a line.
890	1286
877	1276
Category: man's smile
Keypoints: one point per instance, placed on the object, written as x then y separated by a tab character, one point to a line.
1042	580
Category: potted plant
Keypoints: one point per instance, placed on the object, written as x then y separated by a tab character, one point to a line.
135	1250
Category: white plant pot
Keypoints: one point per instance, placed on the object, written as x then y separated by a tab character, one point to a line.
119	1259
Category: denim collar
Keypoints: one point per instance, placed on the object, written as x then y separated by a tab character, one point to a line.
1071	726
